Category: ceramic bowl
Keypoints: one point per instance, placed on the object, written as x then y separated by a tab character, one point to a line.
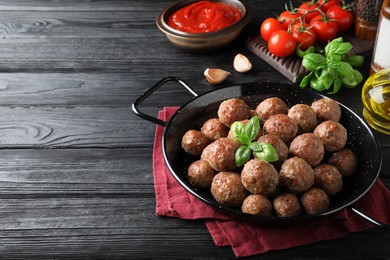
203	42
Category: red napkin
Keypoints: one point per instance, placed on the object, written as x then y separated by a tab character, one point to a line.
249	239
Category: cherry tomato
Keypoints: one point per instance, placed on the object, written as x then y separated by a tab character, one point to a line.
324	29
287	18
343	17
281	44
269	26
308	7
328	4
303	36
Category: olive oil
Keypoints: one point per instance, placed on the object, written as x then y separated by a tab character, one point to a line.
376	101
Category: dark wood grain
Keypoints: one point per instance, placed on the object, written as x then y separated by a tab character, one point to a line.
76	174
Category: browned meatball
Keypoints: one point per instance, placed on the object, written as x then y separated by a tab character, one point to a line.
227	189
200	174
280	147
232	110
314	201
257	204
271	106
259	177
282	126
287	205
345	161
214	129
327	109
296	175
328	178
309	147
220	154
194	141
305	117
332	134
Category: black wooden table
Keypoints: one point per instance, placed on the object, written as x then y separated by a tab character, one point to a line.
76	175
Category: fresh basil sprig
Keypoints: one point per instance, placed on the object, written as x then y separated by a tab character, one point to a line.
245	134
332	68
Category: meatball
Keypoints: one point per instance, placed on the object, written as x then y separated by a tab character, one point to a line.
280	147
214	129
328	178
345	161
332	134
305	117
232	110
282	126
271	106
286	205
327	109
227	189
200	174
259	177
257	204
309	147
314	201
194	141
296	175
220	154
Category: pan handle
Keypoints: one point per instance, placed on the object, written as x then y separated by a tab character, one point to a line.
153	89
369	219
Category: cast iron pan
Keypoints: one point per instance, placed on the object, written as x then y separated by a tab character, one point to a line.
195	112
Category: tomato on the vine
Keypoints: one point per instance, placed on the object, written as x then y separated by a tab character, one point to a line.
269	26
281	44
328	4
303	35
287	17
324	29
343	17
308	7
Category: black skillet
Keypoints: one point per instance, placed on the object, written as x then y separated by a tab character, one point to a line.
195	112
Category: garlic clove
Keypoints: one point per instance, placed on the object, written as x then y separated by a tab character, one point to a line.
215	76
241	63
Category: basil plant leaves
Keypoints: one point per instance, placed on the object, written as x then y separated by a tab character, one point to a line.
246	134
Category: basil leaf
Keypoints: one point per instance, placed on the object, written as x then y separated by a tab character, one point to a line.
306	80
256	147
355	60
252	128
268	152
349	81
332	46
313	60
242	155
327	77
316	84
344	69
336	86
301	53
237	130
334	57
343	48
357	78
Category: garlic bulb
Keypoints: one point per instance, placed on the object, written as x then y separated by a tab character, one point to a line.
241	63
215	76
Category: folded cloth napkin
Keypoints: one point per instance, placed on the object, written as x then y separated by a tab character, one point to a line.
248	239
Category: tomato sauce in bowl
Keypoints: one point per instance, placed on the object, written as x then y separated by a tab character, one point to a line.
204	16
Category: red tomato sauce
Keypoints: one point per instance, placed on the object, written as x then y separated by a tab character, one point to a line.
204	16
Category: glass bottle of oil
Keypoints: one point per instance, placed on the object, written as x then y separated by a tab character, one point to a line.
376	101
381	54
